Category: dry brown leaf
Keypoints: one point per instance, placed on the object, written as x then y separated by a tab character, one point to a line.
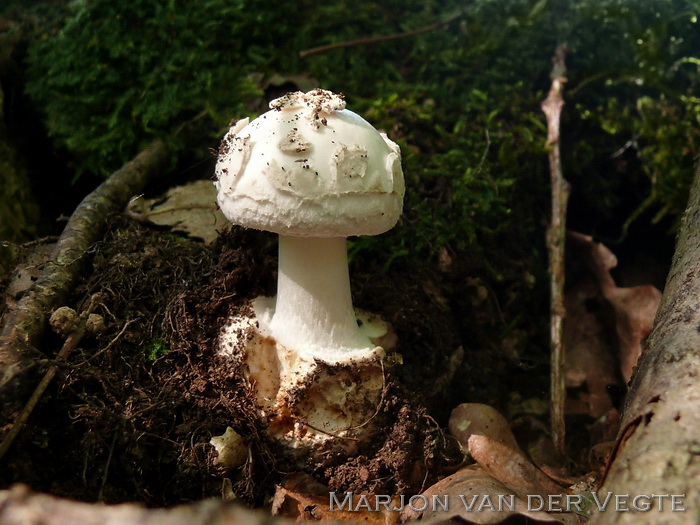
190	209
588	359
482	420
511	468
635	307
303	499
477	497
545	456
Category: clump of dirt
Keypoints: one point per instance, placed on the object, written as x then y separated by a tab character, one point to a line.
404	460
130	417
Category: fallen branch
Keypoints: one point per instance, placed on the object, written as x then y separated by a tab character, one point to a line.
26	322
556	237
383	38
657	448
20	505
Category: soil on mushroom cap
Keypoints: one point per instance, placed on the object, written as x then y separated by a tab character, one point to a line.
131	416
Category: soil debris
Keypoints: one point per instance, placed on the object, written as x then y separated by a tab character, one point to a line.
131	416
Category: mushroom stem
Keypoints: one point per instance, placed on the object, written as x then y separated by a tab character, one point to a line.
313	312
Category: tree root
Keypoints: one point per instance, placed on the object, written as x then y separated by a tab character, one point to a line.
20	505
26	322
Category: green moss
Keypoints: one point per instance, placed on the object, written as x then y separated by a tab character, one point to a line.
462	100
118	74
156	349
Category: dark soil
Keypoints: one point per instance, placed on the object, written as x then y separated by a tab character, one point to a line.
129	418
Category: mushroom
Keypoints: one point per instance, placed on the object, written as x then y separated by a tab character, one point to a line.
315	173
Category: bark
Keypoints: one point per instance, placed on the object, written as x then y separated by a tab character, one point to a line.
19	506
658	448
25	324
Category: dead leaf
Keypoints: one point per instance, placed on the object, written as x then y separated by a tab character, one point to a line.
588	358
635	307
231	450
190	209
477	497
511	468
303	499
545	457
475	418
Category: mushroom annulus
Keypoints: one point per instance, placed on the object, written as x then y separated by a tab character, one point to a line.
315	173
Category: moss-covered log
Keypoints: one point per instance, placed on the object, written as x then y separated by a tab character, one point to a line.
25	324
658	448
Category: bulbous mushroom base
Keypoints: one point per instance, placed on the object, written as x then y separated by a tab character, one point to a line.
318	408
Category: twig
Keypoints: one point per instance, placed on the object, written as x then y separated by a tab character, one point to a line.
111	343
556	237
106	471
29	244
68	346
383	38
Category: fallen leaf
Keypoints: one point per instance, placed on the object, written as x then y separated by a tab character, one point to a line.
545	457
231	450
475	496
588	359
511	468
483	420
190	209
635	307
303	499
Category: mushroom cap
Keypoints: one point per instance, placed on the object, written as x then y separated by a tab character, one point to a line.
310	167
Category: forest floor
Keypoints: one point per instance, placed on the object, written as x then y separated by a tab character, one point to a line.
131	414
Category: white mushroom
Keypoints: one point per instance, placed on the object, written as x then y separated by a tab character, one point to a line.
315	173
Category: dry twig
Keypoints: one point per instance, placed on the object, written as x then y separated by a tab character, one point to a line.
556	237
68	346
383	38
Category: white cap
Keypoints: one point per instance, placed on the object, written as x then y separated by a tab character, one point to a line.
310	167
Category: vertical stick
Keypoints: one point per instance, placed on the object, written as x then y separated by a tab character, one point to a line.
556	236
